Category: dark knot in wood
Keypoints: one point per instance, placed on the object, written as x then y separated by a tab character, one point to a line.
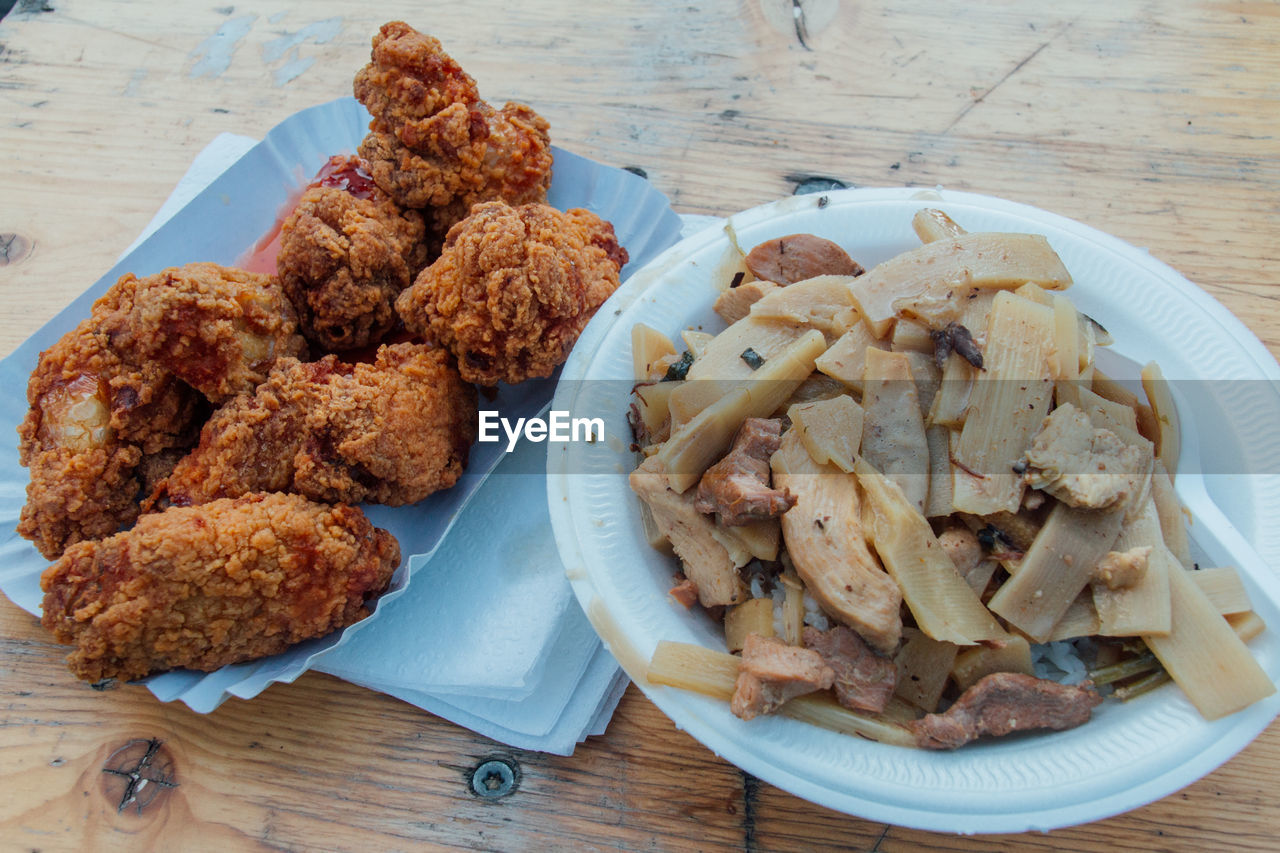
14	248
139	774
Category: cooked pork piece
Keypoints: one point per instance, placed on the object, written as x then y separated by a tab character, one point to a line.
864	680
1005	702
1079	465
1122	569
773	673
962	546
828	545
737	487
692	535
797	257
735	303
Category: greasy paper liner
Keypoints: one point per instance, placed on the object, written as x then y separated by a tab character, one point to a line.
1129	754
220	224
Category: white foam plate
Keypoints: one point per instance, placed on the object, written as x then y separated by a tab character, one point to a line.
1129	754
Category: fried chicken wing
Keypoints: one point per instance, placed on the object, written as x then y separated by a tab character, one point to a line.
513	289
433	143
346	252
218	329
203	587
94	423
390	432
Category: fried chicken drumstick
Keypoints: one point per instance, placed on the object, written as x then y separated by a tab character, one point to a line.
433	143
390	432
346	252
203	587
513	289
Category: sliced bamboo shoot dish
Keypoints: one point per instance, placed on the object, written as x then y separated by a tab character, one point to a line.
918	510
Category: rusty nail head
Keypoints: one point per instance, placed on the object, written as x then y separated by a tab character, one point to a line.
493	778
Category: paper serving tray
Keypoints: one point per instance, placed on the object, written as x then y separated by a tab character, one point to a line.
221	224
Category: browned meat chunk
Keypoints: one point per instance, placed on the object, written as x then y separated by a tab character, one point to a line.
685	592
1122	569
772	673
797	257
864	680
1005	702
737	487
963	547
1080	465
692	535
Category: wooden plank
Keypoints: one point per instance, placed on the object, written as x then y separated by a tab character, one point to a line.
1140	121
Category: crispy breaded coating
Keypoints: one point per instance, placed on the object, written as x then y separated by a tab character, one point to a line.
513	289
433	143
203	587
93	421
217	328
346	252
390	432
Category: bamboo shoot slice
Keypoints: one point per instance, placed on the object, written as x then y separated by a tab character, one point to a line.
924	665
1143	608
652	405
1205	656
1066	334
695	668
824	537
1169	442
1056	568
820	303
648	346
1079	620
935	272
893	439
1012	654
1223	588
705	438
749	617
939	503
931	224
951	402
830	429
696	341
1172	520
845	359
1007	405
942	602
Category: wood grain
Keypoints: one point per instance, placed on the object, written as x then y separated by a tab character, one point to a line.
1153	122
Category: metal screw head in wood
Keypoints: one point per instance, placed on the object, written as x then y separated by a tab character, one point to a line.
494	778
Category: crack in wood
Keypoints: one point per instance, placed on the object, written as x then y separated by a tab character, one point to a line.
964	112
802	31
153	767
750	793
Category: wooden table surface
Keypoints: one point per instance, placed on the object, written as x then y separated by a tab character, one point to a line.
1155	122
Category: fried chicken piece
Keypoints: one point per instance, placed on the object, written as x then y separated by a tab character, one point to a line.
218	329
513	289
203	587
346	252
391	432
433	143
93	421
